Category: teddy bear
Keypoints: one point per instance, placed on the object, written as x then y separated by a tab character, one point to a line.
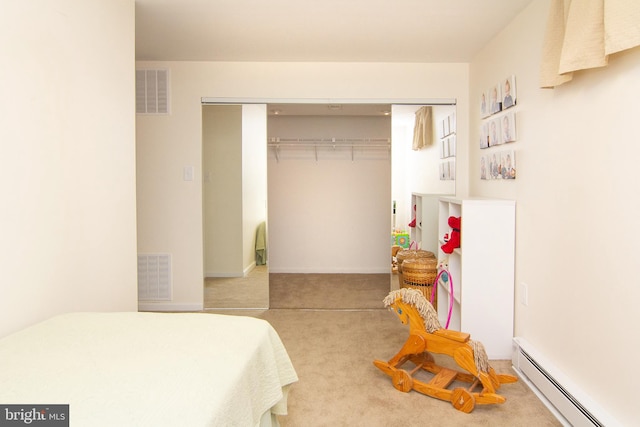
452	240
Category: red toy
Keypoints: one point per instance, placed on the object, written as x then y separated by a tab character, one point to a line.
452	240
413	221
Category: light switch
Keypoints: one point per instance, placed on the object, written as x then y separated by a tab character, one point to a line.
187	173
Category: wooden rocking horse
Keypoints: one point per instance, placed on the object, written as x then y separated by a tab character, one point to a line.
426	336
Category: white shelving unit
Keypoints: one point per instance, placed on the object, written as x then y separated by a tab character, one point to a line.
425	233
482	270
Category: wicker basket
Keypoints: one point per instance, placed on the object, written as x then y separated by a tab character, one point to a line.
406	254
421	274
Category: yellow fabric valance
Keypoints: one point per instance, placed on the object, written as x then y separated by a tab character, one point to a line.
581	34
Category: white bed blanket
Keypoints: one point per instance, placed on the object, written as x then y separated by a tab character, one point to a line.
149	369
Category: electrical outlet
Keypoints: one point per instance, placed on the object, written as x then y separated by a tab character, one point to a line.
524	294
187	173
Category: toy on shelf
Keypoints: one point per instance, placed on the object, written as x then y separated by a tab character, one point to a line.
452	240
400	238
412	224
425	333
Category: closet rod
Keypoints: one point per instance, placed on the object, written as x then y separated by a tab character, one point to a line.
328	145
327	141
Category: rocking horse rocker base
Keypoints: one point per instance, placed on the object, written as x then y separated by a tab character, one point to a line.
426	337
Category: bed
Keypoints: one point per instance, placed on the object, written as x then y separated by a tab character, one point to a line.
150	369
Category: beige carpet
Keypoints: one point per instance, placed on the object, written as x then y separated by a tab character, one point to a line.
333	352
251	291
327	291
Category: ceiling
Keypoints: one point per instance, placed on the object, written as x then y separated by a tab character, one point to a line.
319	30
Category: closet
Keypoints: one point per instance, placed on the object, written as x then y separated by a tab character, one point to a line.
329	188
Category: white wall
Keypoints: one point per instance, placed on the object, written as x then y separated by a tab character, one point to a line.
170	210
577	237
330	215
68	159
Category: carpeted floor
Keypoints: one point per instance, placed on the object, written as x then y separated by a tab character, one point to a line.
333	353
327	291
251	291
333	350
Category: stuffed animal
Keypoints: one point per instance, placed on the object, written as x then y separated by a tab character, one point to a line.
452	240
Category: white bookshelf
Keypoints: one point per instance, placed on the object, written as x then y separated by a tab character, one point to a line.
482	270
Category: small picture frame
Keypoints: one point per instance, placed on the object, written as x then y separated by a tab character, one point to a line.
484	105
483	167
452	145
484	135
508	164
495	133
508	127
509	92
493	163
495	99
444	148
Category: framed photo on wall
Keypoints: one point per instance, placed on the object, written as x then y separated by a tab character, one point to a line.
495	99
508	164
495	134
484	105
498	165
508	127
508	92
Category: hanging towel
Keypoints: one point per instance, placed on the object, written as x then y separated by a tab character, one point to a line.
261	244
423	128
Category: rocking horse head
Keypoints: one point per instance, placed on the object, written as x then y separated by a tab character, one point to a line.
410	305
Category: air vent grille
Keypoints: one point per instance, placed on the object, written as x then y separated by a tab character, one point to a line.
152	91
154	277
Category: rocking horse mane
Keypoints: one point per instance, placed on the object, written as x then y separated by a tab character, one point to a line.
418	301
429	314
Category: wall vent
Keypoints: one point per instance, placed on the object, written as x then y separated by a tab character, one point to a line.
154	277
152	91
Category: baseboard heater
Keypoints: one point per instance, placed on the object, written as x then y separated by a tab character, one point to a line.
566	401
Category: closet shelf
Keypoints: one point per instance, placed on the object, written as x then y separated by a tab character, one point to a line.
331	143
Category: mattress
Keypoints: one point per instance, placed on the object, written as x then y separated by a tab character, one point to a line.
149	369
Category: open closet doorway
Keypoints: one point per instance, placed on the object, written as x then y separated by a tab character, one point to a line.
329	175
330	178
